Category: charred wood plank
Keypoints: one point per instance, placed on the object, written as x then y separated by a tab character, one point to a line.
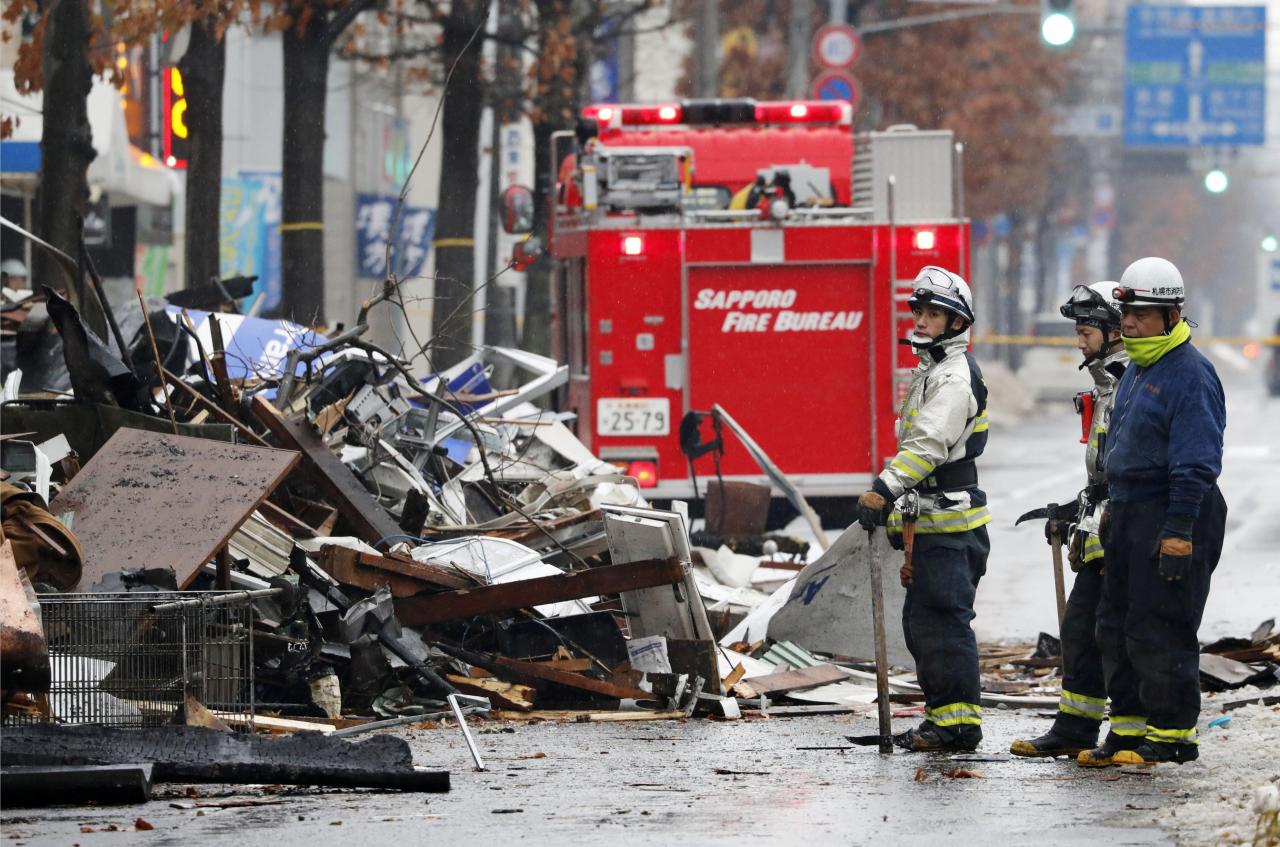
60	785
488	599
356	505
370	571
194	754
539	675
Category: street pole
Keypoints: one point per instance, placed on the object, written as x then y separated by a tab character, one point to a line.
707	82
798	36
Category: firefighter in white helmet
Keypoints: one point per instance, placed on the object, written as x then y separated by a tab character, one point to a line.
942	429
1163	529
1083	700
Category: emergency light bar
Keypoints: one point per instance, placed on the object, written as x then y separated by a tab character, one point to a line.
719	112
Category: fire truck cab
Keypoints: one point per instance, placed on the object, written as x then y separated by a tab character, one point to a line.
754	255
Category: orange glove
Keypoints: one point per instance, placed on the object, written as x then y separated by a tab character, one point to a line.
1175	558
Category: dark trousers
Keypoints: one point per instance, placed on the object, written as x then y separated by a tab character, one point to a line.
1147	624
1084	688
936	620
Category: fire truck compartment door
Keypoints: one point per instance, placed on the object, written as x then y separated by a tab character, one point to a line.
786	350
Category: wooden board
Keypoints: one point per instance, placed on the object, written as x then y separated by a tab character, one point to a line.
357	506
797	680
150	500
487	599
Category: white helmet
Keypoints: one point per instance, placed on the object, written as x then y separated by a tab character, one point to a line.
1151	282
940	287
1094	305
13	267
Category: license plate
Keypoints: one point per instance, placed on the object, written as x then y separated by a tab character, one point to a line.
633	416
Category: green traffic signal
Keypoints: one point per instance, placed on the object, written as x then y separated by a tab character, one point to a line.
1216	181
1057	29
1270	244
1057	22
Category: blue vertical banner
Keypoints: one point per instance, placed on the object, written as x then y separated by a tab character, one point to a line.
1195	76
409	249
605	76
249	234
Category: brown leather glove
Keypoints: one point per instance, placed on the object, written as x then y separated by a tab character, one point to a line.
871	507
1175	558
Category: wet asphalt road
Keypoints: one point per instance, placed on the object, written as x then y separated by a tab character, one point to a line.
695	783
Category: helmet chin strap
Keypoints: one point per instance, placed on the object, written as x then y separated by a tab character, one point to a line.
1104	351
935	346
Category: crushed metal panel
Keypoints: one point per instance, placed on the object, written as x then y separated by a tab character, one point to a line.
148	500
828	609
639	534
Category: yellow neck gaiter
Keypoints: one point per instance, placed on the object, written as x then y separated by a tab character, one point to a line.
1148	351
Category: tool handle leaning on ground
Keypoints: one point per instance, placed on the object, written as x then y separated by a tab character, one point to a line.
1059	586
882	662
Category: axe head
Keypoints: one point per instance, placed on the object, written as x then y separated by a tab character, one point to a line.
1053	511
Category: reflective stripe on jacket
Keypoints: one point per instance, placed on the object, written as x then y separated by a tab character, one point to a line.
943	419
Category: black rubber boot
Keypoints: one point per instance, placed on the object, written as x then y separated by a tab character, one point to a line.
1104	756
1153	753
927	739
1051	744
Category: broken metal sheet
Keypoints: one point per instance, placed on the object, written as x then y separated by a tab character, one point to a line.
827	609
776	476
639	534
499	561
263	544
755	626
149	500
550	376
729	568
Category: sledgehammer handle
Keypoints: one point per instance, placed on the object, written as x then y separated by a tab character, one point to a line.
882	662
1059	587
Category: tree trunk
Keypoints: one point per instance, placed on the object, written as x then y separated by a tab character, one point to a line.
459	174
556	99
66	149
306	78
203	68
536	335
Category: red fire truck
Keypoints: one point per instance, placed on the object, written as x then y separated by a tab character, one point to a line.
754	255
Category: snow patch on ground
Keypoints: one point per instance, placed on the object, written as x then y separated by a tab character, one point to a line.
1210	799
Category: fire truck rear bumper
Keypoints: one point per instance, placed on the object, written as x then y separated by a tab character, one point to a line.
810	485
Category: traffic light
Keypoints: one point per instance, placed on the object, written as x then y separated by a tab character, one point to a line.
1057	22
1216	181
174	120
1270	244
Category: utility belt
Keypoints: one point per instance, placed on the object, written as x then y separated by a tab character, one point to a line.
953	476
1096	493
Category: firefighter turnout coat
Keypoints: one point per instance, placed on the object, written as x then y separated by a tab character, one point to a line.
942	427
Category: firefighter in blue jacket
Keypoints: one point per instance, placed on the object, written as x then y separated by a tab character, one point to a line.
1084	694
942	429
1163	529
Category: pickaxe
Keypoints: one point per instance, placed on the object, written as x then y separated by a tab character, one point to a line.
1054	512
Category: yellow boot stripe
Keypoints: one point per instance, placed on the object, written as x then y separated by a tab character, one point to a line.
1129	725
1173	736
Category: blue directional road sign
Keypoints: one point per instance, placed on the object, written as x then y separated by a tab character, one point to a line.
1195	76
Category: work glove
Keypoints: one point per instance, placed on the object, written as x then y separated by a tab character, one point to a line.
1060	528
1175	558
1174	547
873	505
1075	539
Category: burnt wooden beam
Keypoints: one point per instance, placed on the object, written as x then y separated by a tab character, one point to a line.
539	675
367	519
371	571
488	599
